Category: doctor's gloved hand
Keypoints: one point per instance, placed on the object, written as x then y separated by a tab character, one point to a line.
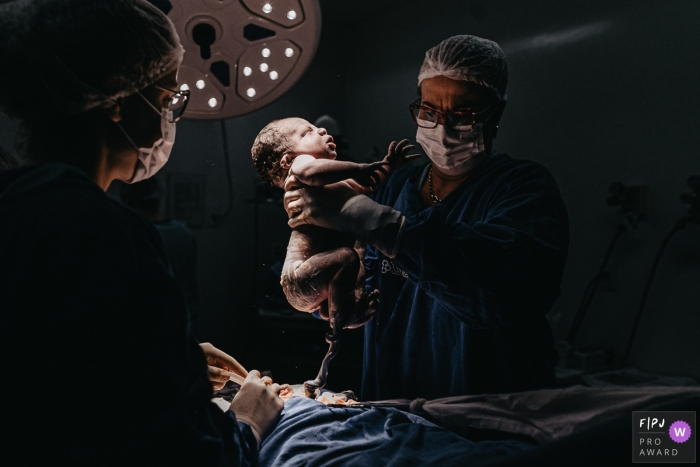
220	366
317	205
338	207
258	405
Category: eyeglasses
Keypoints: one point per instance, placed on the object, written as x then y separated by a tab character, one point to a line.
425	117
177	102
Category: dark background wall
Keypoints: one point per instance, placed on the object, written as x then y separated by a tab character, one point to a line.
598	93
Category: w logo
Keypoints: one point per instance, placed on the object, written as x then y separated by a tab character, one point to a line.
679	431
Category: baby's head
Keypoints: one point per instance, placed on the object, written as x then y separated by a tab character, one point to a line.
281	141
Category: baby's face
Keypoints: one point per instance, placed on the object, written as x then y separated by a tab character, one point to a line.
310	140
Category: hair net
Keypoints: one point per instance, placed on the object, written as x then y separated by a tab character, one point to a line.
62	57
468	58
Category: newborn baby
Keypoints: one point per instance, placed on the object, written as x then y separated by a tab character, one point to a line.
322	270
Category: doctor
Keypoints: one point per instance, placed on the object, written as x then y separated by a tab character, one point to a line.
467	250
99	365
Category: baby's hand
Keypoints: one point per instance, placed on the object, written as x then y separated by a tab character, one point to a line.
397	156
370	175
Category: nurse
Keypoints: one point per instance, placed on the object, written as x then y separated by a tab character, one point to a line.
467	251
98	362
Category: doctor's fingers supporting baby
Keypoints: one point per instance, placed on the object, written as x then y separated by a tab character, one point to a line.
317	205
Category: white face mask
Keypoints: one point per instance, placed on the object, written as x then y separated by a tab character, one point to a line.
152	159
453	152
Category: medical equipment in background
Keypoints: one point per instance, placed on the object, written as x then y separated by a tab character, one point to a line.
632	201
266	195
622	375
6	160
186	198
693	215
186	193
217	219
241	55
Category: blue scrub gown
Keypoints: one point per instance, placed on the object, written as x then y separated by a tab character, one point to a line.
464	301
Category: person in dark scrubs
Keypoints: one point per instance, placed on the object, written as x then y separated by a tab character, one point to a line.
179	241
98	362
467	250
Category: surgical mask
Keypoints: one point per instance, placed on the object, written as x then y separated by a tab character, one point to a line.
453	152
152	159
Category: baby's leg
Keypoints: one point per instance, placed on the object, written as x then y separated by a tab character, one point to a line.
341	289
327	275
305	287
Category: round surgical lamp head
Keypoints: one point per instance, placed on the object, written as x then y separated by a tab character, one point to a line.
241	55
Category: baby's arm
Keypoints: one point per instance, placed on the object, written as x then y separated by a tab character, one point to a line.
397	156
319	172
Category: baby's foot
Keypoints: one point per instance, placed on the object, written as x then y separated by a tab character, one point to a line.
365	309
368	302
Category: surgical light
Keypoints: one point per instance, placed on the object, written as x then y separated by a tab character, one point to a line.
184	87
250	92
233	46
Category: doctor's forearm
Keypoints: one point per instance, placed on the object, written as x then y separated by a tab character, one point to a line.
473	275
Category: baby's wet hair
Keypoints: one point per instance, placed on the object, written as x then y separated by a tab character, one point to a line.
273	142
